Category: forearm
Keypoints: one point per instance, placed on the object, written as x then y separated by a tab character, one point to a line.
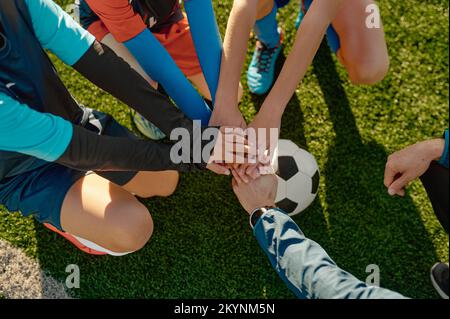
305	266
53	139
159	65
91	152
307	42
106	70
207	40
240	23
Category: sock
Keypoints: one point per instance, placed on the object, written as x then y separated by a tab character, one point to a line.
266	29
96	247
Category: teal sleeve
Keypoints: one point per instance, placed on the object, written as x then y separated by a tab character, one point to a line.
58	32
444	158
24	130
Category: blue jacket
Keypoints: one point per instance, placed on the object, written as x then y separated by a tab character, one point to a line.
34	102
305	266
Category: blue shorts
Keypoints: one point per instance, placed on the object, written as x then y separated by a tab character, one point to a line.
40	193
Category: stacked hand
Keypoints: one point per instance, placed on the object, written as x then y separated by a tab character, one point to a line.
259	142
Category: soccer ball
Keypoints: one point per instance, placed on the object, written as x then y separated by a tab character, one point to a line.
298	177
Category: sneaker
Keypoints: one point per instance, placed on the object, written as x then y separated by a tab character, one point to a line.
439	278
75	241
147	128
261	72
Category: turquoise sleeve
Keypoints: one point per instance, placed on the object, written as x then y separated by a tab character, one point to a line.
159	65
445	155
29	132
58	32
207	40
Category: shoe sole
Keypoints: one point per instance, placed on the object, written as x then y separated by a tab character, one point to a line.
435	284
75	242
143	131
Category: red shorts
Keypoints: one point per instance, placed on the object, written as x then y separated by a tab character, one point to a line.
176	39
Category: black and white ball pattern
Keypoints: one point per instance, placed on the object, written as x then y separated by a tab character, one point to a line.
298	177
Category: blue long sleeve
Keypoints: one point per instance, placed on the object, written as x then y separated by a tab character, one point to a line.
207	40
444	161
305	266
24	130
159	65
58	32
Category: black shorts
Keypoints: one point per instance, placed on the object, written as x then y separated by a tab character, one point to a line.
41	192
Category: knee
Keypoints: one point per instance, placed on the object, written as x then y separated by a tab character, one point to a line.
369	72
131	229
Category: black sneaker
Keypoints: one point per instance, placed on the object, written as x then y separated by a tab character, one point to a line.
439	278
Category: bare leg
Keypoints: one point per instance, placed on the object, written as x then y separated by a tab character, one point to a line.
151	184
363	51
103	213
264	8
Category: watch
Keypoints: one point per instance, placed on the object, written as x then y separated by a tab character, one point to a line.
257	214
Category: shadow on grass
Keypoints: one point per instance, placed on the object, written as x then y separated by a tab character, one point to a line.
202	247
367	226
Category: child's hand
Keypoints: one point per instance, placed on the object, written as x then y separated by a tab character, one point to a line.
229	116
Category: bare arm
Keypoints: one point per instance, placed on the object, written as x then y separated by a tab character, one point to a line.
240	23
307	42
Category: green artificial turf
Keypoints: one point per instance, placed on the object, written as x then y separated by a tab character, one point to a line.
202	246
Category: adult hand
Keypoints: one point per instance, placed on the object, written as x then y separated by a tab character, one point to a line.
258	193
410	163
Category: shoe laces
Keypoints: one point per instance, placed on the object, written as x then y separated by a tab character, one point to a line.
264	56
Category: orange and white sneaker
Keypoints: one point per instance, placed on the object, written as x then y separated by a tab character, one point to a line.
75	241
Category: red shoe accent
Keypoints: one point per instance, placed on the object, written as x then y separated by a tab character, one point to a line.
75	241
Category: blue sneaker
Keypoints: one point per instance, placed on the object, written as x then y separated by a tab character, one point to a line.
261	72
147	128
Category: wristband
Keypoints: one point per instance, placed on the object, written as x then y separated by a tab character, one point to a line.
256	215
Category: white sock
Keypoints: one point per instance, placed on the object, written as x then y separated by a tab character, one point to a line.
96	247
